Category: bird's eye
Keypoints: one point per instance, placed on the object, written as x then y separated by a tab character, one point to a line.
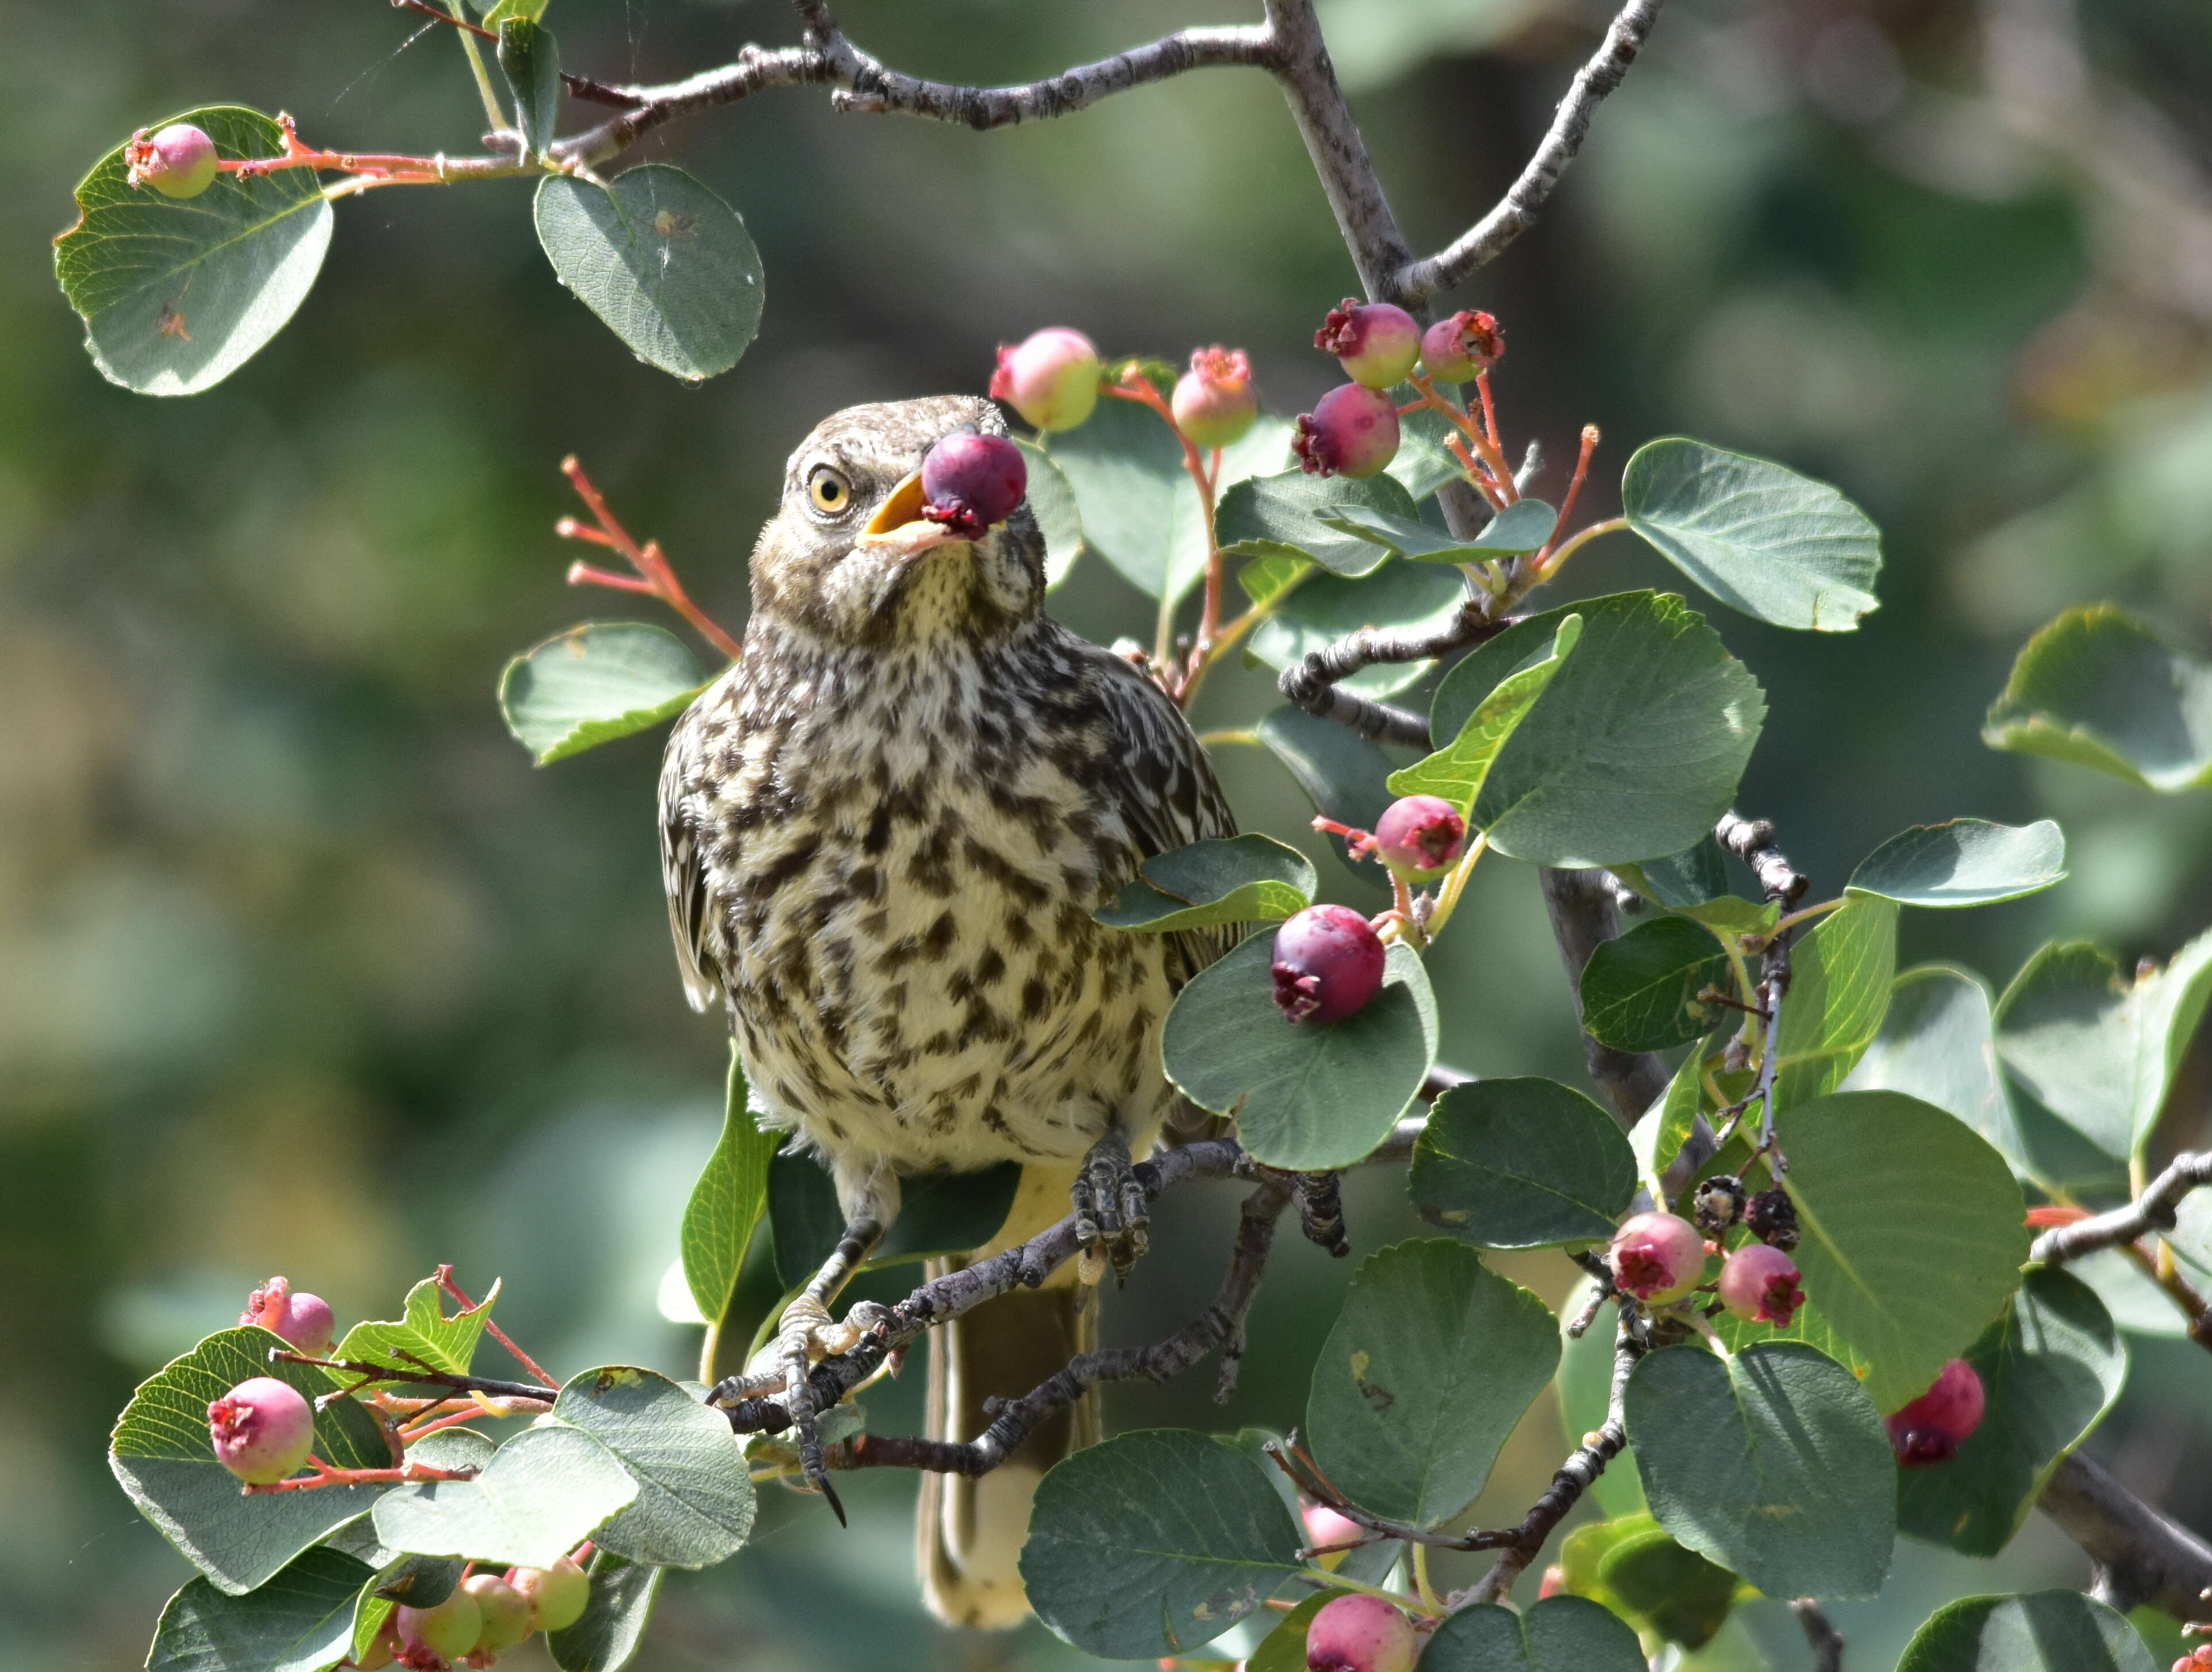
829	490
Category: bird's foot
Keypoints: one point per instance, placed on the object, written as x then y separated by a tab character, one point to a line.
1113	1221
805	1333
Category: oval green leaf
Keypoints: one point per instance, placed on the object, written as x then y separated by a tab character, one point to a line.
1458	771
1838	990
177	294
1558	1634
1756	536
595	682
1249	879
302	1620
1303	1097
1276	516
2044	1630
1431	1363
1633	1565
1774	1463
728	1200
530	58
695	1499
1052	502
1343	776
1327	607
1911	1228
613	1622
2098	688
664	261
543	1491
1521	1163
1523	526
1154	1542
1965	862
1639	991
1938	1043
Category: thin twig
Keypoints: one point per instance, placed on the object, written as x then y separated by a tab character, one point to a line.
2156	1209
1827	1642
429	1379
2150	1557
1312	682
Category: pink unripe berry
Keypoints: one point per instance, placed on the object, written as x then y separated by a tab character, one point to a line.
1931	1428
1375	343
1360	1634
1455	349
448	1631
179	161
970	482
1328	962
1420	834
507	1612
262	1430
1050	377
303	1320
556	1594
1326	1526
1761	1283
1214	402
1656	1258
1351	431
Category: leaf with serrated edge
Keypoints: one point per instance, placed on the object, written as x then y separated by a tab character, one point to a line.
1521	1163
695	1499
1965	862
1639	990
599	681
1275	515
545	1490
1523	526
1838	990
1458	771
1224	880
425	1338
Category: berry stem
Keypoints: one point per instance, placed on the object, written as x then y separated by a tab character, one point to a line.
496	116
325	1475
1136	386
1484	444
445	1282
657	578
1575	543
1574	492
1489	411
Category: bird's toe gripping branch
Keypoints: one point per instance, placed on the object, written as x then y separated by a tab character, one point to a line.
1113	1217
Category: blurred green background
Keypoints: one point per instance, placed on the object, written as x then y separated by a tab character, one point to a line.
303	968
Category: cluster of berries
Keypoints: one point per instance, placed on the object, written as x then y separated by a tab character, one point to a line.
1353	429
482	1618
1328	959
179	161
1051	378
263	1429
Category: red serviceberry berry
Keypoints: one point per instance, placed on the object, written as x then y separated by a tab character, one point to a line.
1418	835
1375	343
1931	1428
1351	431
969	481
304	1320
1328	962
1050	377
1214	403
1360	1634
1772	1218
448	1630
1718	1203
1656	1258
1455	349
179	161
556	1594
1761	1283
262	1430
507	1615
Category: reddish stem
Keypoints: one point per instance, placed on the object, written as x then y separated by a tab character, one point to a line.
445	1282
1567	505
325	1475
1136	386
2055	1213
658	578
1489	411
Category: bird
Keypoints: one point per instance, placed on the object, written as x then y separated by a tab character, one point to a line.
884	832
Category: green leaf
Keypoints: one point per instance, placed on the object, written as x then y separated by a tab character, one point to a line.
1773	1464
1639	991
177	294
2044	1630
728	1200
1965	862
543	1491
1759	538
1424	462
1224	880
1694	877
2098	1053
1303	1097
530	58
1633	1565
599	681
1139	510
1459	770
2098	688
1559	1635
1911	1231
1431	1363
1521	1163
1052	502
1343	776
695	1499
613	1621
1635	748
300	1620
2052	1367
1523	526
531	10
161	1454
1155	1543
1839	988
1660	1133
938	1214
1267	579
1276	516
425	1337
1937	1043
666	264
1327	607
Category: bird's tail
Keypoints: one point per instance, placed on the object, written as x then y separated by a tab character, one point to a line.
970	1532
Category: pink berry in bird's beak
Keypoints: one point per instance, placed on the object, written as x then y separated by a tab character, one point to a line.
970	482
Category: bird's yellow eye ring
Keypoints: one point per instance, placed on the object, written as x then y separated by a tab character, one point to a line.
828	490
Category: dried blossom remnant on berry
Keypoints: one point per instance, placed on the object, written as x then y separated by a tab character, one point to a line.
1351	431
1461	347
1214	403
1328	962
1375	343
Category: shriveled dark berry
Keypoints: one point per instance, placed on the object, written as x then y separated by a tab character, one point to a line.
1772	1218
970	482
1328	964
1718	1203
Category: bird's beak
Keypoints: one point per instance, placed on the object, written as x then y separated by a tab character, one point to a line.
900	526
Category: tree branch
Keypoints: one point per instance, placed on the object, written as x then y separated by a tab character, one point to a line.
2145	1555
2156	1209
1312	682
1826	1641
1581	912
1517	211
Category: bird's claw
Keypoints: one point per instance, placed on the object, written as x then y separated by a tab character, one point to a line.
1113	1220
805	1333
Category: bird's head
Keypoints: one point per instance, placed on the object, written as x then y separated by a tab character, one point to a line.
849	556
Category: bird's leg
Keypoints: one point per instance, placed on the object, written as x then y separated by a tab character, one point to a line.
1112	1216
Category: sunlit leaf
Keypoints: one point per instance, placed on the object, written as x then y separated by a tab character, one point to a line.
595	682
2098	688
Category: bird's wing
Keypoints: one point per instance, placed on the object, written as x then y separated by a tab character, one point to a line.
683	866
